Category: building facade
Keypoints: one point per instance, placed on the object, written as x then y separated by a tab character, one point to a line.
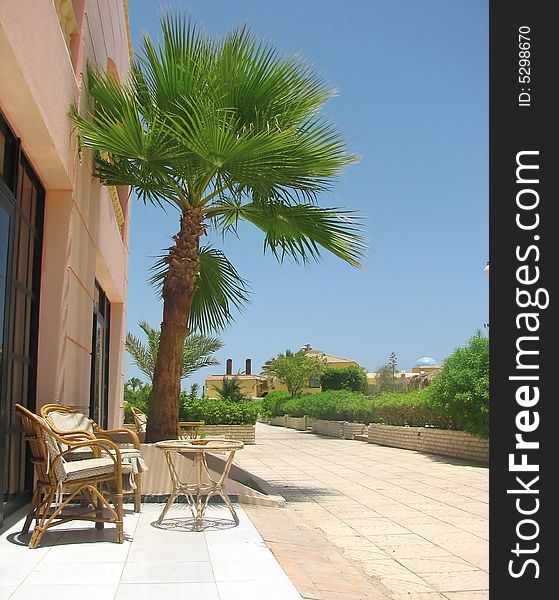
63	237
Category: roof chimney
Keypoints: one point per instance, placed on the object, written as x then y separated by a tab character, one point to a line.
229	367
248	366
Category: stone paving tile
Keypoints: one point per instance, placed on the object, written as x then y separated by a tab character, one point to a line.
458	581
392	515
482	595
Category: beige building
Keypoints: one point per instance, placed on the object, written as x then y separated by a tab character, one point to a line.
256	386
252	386
63	237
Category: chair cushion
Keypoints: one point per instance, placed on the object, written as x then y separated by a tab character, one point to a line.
91	467
70	421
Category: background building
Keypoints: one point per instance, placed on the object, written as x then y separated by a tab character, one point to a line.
63	237
259	385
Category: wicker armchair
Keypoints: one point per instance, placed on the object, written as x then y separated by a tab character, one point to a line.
64	420
60	481
186	429
140	419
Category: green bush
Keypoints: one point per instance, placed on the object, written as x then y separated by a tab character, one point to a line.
334	405
350	378
138	397
272	404
461	390
218	412
412	408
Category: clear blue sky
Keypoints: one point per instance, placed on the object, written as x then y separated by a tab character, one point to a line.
413	101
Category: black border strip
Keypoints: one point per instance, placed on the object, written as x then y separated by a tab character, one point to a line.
523	129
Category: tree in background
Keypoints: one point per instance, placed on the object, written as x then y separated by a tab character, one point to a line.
295	370
461	389
384	381
349	378
221	130
137	395
134	383
197	352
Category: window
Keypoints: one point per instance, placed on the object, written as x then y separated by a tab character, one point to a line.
99	397
314	382
21	227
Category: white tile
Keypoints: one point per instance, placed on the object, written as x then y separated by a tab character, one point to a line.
14	574
59	591
167	591
93	552
261	590
175	571
78	573
243	550
6	591
263	568
186	552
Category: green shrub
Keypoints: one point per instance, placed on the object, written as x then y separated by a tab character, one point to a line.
412	408
333	405
461	390
351	378
272	404
218	412
137	396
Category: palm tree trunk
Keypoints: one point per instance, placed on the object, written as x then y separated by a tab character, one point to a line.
178	290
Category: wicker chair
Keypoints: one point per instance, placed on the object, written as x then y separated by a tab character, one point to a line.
140	419
186	429
64	420
60	481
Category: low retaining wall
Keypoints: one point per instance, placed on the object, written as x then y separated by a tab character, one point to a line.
339	429
279	421
447	442
243	433
299	423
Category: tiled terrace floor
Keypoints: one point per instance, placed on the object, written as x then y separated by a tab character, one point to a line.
220	563
415	525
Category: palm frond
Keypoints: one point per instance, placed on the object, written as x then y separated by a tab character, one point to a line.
219	291
141	355
198	351
299	230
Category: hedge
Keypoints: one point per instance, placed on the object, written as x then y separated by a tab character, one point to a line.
412	408
394	408
219	412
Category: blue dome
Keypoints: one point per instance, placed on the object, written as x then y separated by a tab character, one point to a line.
426	361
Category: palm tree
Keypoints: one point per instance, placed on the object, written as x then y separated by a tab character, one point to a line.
230	389
134	383
222	130
197	351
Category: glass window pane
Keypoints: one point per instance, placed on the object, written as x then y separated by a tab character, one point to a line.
26	192
2	152
19	322
23	252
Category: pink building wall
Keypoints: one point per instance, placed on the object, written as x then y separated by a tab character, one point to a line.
41	74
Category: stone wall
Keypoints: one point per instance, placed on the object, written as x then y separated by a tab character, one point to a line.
279	421
447	442
243	433
299	423
339	429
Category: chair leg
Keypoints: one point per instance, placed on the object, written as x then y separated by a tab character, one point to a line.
43	519
99	510
119	519
32	510
138	493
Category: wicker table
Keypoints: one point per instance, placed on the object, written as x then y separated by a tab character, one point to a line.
196	485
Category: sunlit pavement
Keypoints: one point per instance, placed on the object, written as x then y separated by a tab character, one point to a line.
412	525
